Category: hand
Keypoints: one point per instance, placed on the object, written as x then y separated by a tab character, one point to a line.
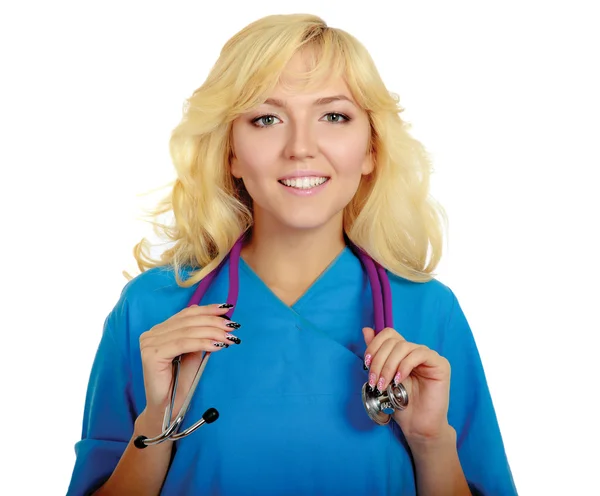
191	331
424	374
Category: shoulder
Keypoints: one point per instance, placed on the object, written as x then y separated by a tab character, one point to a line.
148	299
423	311
150	282
433	294
156	284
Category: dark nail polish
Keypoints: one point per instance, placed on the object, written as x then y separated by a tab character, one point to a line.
365	367
226	305
233	325
221	345
369	389
235	339
377	392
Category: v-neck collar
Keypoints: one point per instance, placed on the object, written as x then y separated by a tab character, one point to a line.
309	291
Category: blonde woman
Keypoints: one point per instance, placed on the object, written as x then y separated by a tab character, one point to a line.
297	181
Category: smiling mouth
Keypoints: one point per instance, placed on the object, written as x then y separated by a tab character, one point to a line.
304	182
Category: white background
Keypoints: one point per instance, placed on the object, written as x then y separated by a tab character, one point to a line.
503	94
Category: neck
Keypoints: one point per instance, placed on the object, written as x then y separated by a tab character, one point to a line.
292	259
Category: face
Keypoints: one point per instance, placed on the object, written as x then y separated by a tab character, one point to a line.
301	155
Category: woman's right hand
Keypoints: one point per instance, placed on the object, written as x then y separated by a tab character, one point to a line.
190	332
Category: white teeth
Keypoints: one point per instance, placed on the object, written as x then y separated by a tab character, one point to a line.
303	182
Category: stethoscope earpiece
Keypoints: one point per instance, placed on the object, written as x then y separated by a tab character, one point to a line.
381	408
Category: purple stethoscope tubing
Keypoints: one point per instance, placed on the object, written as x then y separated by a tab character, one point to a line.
382	309
380	284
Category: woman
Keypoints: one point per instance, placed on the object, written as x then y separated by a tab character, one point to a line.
293	146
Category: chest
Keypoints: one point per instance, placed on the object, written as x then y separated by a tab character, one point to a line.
290	295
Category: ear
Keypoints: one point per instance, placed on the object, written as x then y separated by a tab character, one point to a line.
234	167
368	164
234	163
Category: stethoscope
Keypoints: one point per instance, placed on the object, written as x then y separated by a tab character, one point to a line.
379	408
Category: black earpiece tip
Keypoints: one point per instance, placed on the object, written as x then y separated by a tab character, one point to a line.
210	415
139	442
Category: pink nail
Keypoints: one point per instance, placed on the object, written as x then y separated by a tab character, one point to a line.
368	359
372	379
397	378
380	384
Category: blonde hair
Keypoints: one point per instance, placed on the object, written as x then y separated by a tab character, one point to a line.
392	216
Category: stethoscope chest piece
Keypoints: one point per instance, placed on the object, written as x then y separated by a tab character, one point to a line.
381	408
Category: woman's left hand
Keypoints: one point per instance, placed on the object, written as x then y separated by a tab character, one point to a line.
424	374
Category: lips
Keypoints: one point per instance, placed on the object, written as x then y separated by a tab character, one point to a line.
303	173
304	182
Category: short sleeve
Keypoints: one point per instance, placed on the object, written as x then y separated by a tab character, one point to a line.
471	413
108	418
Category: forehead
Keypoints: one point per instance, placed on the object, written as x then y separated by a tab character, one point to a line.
300	80
330	91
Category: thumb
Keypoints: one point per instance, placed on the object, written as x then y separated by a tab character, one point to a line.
368	334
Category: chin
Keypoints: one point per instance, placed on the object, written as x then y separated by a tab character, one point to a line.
310	215
308	221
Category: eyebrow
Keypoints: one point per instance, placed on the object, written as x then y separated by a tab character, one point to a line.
320	101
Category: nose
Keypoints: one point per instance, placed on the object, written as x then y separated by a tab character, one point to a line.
301	142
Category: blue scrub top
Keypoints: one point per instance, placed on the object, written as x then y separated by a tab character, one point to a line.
291	418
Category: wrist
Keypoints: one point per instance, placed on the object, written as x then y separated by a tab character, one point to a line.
443	441
149	423
437	465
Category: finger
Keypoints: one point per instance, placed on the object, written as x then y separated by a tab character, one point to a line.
190	321
181	346
190	363
380	357
429	363
191	360
368	334
195	332
389	370
376	342
214	309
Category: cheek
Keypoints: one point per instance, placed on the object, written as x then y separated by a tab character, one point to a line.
254	154
347	156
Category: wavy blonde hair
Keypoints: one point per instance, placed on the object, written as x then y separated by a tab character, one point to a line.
392	216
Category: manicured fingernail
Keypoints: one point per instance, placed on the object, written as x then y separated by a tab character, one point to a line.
380	384
233	338
226	305
372	379
367	362
221	345
397	378
233	325
378	392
